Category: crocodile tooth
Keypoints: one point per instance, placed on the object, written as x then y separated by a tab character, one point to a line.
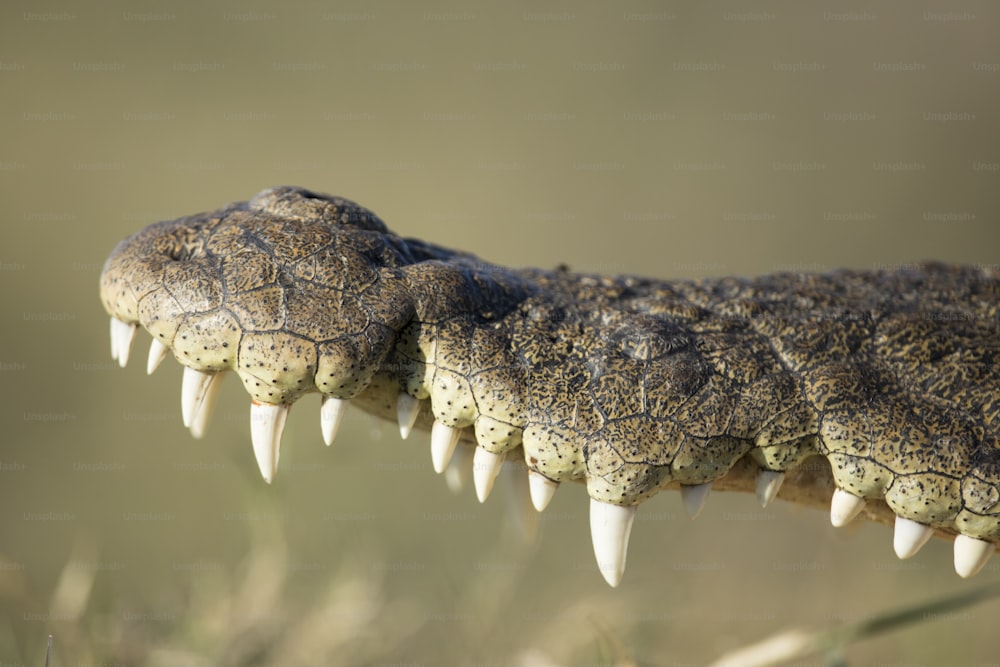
610	526
407	409
125	344
485	467
541	488
114	337
971	555
456	475
193	386
122	335
205	406
157	353
267	421
443	441
768	484
694	497
844	507
909	536
330	414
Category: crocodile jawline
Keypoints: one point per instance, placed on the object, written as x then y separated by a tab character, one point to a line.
872	393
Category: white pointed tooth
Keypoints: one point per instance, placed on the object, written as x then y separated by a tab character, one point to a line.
122	335
443	441
125	347
456	475
542	489
407	409
768	484
971	555
610	526
157	353
909	536
485	467
114	338
693	497
203	410
330	415
844	507
267	421
193	386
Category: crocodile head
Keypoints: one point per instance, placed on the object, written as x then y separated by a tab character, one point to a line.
870	393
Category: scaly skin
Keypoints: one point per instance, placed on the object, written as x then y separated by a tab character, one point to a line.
883	384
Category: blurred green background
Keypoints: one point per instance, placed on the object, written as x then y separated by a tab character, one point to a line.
666	139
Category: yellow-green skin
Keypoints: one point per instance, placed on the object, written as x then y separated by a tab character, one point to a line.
886	384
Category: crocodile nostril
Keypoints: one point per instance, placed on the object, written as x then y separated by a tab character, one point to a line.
184	253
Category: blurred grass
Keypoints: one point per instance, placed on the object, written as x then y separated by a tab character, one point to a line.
659	139
832	643
248	616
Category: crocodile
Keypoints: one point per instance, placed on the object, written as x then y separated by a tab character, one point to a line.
868	393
